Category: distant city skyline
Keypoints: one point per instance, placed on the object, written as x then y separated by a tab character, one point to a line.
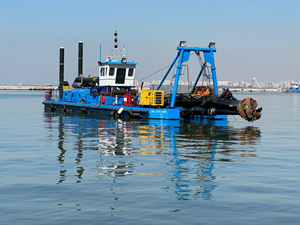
241	84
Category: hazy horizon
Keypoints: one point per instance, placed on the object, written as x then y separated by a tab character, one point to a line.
253	39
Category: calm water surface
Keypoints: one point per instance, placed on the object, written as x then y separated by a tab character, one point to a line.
63	168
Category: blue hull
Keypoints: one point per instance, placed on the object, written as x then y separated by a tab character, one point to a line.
117	111
293	90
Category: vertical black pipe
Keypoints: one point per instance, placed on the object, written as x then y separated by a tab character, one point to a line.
80	57
61	71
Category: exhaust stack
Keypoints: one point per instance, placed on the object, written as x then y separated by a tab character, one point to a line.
80	57
61	71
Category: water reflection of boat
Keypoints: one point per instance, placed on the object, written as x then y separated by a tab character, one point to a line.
186	151
205	141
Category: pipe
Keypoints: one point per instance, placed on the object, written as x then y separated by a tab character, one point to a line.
80	57
208	112
61	71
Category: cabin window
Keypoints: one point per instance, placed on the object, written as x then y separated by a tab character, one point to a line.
120	78
130	72
103	71
111	71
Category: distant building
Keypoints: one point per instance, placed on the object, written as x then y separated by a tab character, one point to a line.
270	85
254	82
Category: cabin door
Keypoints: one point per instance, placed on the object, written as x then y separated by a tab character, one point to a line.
120	78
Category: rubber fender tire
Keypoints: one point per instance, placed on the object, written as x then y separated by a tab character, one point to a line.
95	93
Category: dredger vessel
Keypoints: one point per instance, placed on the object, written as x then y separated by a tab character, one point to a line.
114	91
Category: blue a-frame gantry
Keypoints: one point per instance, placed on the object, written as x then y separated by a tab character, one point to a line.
182	56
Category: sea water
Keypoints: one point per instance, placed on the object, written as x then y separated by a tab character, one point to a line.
76	168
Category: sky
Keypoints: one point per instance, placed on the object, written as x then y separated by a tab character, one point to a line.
257	38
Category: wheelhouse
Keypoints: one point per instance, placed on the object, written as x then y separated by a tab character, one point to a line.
117	74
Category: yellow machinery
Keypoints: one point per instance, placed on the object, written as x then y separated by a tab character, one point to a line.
66	85
151	97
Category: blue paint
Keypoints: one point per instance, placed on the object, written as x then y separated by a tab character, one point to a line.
169	114
186	56
119	63
177	78
294	88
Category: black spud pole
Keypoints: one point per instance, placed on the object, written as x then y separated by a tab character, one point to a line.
80	57
61	71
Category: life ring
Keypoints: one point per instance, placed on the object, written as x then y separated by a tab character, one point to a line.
125	114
